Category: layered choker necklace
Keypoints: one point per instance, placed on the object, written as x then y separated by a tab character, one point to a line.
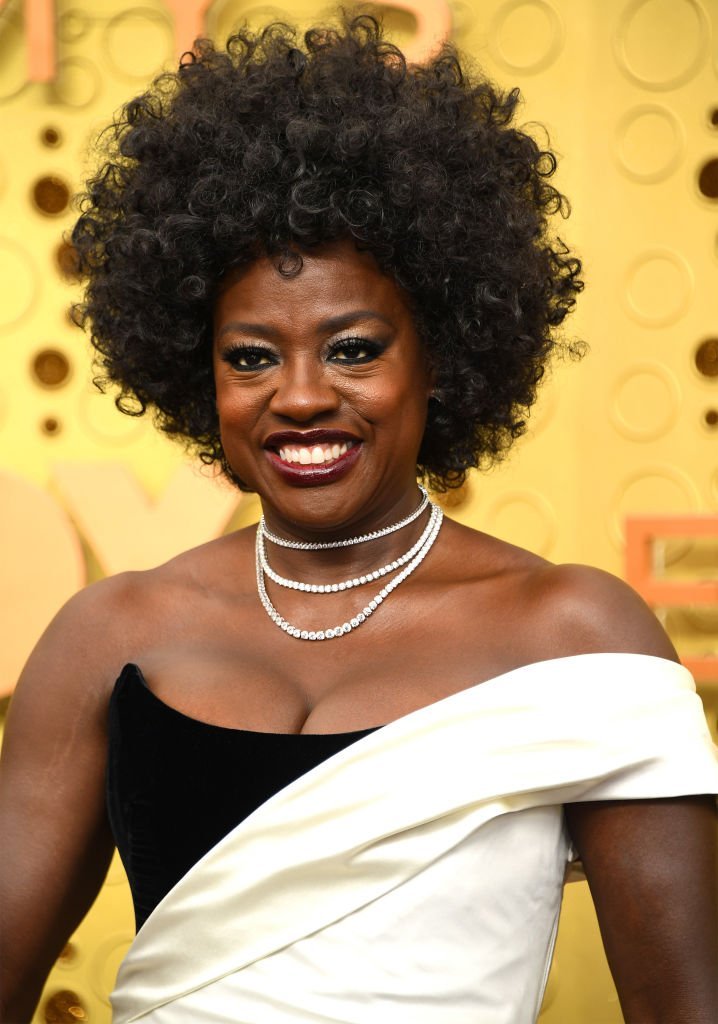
404	566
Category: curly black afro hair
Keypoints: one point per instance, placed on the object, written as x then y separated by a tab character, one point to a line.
277	145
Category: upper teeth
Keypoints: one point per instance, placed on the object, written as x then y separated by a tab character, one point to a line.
316	455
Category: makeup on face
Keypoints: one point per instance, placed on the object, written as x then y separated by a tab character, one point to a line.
322	382
312	457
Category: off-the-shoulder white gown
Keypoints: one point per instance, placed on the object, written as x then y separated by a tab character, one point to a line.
415	877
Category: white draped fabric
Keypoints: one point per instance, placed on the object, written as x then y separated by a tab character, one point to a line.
415	877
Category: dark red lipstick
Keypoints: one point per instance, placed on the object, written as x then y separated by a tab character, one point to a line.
306	438
312	474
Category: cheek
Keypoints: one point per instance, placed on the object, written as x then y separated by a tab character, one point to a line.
235	420
397	403
239	402
230	411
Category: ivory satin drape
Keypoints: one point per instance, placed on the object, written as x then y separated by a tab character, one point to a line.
415	877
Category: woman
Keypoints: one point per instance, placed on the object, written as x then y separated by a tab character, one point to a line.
350	752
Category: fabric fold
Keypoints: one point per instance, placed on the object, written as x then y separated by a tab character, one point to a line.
445	824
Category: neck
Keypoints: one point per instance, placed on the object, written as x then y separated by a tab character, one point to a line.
330	564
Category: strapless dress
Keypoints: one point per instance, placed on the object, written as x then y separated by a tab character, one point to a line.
176	786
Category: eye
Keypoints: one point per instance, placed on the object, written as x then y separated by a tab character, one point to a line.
354	350
248	357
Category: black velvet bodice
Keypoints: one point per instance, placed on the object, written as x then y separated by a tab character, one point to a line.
176	786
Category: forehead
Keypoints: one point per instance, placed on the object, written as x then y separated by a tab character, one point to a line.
335	278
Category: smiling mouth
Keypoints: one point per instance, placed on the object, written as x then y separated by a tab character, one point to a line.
313	455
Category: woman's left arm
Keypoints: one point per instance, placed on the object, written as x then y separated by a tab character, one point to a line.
652	867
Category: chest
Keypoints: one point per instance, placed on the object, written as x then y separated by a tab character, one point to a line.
232	666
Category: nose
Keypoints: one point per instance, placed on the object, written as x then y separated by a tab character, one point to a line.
303	393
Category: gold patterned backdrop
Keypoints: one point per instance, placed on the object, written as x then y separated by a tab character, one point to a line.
627	91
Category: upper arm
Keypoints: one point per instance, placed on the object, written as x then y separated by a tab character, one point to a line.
652	865
56	843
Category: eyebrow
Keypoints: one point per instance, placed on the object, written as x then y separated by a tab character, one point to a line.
332	323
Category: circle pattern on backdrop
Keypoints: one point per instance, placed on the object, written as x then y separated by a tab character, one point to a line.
138	42
526	35
50	195
20	282
51	426
701	618
67	261
652	487
51	137
543	411
646	43
77	83
646	402
72	25
705	358
524	517
650	143
68	955
51	368
64	1007
99	417
463	17
658	287
13	56
708	179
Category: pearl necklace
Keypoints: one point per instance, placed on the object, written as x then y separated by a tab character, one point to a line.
332	588
430	535
305	545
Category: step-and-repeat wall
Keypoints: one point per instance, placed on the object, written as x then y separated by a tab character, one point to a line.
627	92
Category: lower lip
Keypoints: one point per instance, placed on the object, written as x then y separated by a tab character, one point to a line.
314	475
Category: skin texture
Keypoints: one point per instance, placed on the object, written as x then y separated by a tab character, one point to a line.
300	383
477	607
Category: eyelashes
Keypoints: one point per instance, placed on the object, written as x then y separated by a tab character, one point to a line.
248	357
354	350
345	351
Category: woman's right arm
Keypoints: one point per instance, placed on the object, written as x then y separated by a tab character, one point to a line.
56	841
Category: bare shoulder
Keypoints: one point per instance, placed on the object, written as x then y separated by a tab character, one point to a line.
589	610
82	645
546	610
121	617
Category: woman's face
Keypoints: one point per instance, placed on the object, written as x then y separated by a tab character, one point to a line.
322	388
